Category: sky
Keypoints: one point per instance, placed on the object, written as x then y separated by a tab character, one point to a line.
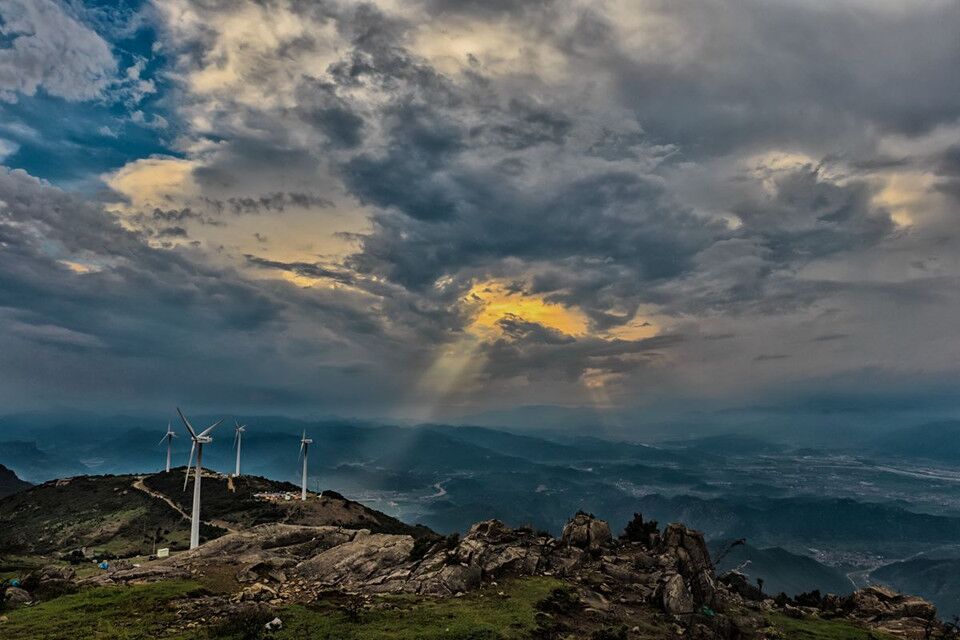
438	208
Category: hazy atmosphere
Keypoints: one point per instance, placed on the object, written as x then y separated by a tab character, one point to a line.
434	210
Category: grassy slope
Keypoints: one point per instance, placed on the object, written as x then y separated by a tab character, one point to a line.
813	629
476	616
129	613
112	613
102	512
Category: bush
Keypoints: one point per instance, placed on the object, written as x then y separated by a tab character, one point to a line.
249	623
610	633
639	531
561	600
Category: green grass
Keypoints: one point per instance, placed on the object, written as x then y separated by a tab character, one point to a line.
120	613
816	629
477	616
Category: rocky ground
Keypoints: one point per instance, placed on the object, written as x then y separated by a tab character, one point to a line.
647	577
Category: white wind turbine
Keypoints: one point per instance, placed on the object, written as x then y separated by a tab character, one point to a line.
199	439
237	441
168	436
305	443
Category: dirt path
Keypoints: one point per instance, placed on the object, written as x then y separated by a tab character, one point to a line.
140	486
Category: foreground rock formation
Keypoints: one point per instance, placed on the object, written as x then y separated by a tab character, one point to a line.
612	580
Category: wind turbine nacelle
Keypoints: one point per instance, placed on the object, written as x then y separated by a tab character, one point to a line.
306	441
204	439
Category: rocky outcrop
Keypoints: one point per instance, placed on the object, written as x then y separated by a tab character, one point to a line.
586	532
689	582
613	580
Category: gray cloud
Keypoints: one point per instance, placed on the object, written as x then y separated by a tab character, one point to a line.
727	177
45	48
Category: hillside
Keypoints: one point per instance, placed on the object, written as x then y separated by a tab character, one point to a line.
936	579
781	571
129	515
10	483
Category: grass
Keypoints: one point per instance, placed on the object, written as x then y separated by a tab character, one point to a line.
477	616
817	629
115	613
140	612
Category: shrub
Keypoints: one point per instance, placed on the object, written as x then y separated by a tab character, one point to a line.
639	531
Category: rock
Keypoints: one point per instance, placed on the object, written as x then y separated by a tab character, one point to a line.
16	597
363	559
274	625
586	532
881	603
692	559
258	592
675	598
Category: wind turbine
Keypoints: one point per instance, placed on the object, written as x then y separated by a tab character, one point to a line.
237	440
168	436
199	439
305	443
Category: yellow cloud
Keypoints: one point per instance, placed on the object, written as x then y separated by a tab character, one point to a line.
906	194
493	301
152	182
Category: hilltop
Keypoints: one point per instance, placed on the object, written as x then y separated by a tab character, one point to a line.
131	515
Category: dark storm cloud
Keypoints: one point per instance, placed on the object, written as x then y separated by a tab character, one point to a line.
722	166
537	352
142	323
757	71
312	270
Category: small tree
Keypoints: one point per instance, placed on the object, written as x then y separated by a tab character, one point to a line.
639	531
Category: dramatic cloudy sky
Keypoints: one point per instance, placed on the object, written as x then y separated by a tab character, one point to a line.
430	208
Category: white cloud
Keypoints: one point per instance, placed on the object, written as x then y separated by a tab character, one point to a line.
52	51
7	148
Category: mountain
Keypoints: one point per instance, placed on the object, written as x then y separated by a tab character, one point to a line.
10	483
936	579
828	522
34	464
128	515
781	571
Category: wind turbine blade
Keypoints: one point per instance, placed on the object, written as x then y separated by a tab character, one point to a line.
211	427
165	436
186	476
236	438
186	423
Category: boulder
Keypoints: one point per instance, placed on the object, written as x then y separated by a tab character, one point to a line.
675	597
361	560
257	592
15	597
689	553
881	603
586	532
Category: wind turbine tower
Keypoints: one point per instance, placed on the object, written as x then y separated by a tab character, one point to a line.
168	436
199	439
237	441
305	443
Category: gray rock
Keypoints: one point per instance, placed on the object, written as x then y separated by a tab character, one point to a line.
586	532
17	597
